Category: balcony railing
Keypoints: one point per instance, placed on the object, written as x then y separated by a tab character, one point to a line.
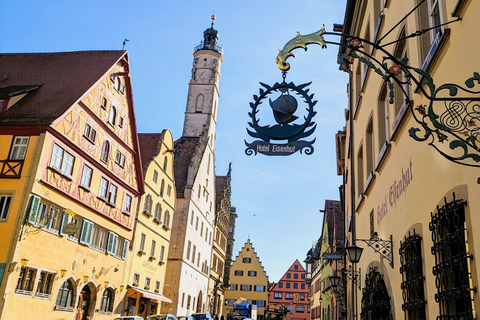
207	46
11	169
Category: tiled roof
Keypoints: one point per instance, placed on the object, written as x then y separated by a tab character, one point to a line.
183	154
150	144
335	219
63	78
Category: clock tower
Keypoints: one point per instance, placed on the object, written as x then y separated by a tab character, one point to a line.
203	93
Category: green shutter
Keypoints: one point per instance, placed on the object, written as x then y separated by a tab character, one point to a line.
126	243
86	234
32	211
2	270
110	242
88	237
115	244
64	223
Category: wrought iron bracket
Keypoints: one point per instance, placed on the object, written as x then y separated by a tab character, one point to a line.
449	122
382	247
355	276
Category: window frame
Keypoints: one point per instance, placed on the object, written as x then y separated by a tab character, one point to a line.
127	204
89	133
106	302
18	149
5	205
112	115
86	180
120	159
70	296
105	151
60	163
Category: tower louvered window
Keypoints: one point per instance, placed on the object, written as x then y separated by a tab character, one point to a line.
452	271
412	277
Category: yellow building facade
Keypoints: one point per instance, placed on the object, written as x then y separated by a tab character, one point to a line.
68	200
151	240
410	202
248	280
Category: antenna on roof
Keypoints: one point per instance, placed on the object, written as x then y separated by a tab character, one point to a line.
124	43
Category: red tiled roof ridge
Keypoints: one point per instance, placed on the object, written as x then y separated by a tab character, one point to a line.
65	77
59	52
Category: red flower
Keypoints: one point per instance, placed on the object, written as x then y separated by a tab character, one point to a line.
355	43
396	69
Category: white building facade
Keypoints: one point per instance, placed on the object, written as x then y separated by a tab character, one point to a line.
193	225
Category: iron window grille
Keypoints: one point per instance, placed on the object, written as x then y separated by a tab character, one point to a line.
375	297
452	270
413	292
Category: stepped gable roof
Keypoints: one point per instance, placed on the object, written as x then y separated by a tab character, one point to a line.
62	78
183	154
150	145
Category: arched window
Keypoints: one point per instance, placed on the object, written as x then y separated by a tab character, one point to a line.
147	208
105	151
370	148
112	115
158	212
199	103
162	188
106	305
360	181
165	163
118	84
382	116
167	218
65	297
400	97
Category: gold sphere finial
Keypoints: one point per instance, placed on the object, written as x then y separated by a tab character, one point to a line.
213	17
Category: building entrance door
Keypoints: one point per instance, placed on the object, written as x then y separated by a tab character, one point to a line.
84	302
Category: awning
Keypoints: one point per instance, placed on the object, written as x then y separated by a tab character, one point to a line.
151	295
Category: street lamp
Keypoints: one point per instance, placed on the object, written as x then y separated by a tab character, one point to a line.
354	253
334	280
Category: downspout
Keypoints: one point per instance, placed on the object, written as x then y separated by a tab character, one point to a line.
346	68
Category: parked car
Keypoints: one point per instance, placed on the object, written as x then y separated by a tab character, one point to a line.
129	318
184	318
167	316
202	316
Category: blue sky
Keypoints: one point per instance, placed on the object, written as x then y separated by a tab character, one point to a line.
277	198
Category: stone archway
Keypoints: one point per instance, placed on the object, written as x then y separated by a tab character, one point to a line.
376	298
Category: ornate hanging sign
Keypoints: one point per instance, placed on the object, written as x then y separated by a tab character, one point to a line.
289	127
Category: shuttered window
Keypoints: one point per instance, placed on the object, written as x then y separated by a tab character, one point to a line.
86	234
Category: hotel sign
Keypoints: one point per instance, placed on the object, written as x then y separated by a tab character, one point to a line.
291	127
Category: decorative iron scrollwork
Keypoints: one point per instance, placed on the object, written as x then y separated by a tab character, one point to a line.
450	123
375	297
451	270
412	277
